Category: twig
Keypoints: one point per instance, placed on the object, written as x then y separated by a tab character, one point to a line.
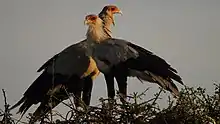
6	118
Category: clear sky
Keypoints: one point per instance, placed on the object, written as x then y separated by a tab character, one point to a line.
185	33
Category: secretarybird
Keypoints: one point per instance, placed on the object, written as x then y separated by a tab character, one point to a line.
70	71
118	58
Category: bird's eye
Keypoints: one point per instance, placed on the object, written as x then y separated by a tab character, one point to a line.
93	18
112	9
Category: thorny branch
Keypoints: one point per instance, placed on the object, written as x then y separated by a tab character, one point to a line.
193	106
6	114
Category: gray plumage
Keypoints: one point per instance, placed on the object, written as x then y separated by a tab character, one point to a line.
120	58
66	70
112	52
72	60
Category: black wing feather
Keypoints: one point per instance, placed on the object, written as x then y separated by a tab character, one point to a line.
150	62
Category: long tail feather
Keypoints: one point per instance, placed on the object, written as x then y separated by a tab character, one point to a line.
18	103
140	75
147	61
24	107
167	84
34	93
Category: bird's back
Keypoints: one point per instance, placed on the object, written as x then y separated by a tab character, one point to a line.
72	60
114	51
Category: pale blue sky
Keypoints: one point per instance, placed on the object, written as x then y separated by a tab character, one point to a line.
186	33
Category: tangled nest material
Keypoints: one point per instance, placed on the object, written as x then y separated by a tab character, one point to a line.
194	106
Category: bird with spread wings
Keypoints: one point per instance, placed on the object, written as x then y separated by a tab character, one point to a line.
70	71
118	58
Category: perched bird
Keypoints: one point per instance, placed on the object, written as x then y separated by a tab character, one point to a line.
70	71
118	58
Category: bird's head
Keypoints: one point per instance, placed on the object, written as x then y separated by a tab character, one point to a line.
92	19
108	12
95	30
111	10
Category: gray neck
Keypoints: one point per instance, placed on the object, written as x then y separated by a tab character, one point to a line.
97	34
107	22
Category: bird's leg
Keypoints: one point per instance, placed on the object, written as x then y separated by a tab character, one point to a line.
121	78
77	90
87	90
77	96
109	78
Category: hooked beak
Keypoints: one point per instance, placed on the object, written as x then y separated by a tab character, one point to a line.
85	22
120	12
